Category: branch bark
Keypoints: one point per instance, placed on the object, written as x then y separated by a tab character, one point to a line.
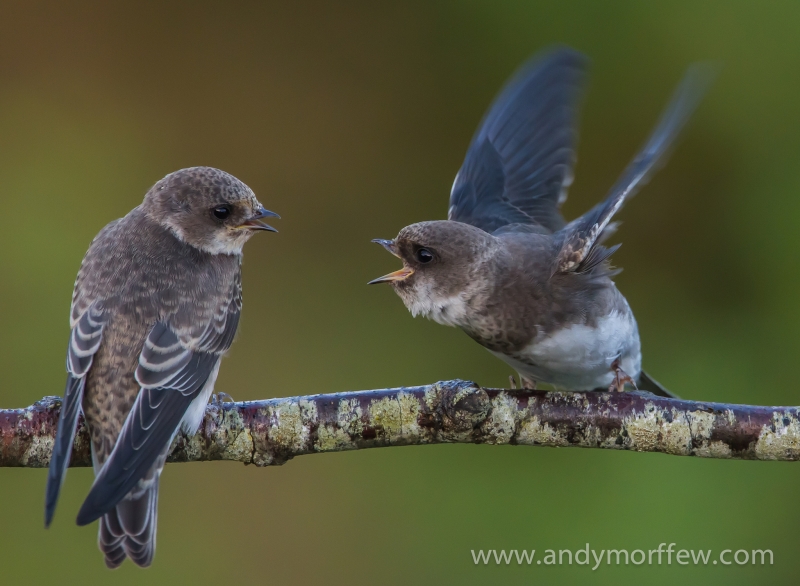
273	431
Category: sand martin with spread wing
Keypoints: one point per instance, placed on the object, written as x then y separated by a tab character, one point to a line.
155	307
506	268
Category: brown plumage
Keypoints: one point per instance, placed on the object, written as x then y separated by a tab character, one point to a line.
506	268
155	306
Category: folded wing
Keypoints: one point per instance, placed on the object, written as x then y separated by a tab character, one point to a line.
84	341
174	367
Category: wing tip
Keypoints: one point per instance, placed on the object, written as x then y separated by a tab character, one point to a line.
49	512
90	510
87	516
557	52
51	499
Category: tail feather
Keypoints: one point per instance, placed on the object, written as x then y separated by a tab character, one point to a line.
651	385
129	529
110	539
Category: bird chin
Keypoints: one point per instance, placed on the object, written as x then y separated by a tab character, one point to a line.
228	243
447	311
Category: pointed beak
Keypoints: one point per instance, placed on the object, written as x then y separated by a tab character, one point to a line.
400	275
253	223
388	245
403	273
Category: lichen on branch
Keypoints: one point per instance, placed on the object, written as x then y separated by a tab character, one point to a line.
273	431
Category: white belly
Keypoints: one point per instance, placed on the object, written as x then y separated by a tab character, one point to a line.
579	357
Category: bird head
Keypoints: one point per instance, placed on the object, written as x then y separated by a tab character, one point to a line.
208	209
440	260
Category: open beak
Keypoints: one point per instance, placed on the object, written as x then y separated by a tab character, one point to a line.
400	275
403	273
254	224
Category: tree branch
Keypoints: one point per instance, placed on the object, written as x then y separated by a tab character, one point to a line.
273	431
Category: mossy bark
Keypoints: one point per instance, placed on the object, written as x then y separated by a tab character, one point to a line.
273	431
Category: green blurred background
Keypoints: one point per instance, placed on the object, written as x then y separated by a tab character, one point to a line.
350	120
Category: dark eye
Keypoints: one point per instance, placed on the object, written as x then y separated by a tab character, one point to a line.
221	212
424	255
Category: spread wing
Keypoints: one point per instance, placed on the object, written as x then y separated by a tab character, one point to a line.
174	366
582	250
519	163
84	342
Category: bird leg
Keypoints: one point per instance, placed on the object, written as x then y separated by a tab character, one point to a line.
513	382
620	378
219	398
527	383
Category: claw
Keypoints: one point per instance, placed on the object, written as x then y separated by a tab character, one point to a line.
219	398
620	378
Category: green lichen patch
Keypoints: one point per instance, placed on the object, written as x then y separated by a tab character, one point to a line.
349	416
702	425
396	418
191	448
287	431
409	418
332	439
781	439
535	433
308	411
501	423
385	416
241	448
659	430
714	449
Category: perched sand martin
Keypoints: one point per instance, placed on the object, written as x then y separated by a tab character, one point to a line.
156	305
506	268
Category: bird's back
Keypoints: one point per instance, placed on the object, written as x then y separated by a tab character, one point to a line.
526	301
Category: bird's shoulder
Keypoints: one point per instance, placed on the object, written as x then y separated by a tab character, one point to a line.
526	255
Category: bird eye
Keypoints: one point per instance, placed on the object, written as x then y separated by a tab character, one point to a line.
424	255
221	212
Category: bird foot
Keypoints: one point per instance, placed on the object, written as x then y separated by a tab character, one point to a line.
513	382
219	398
620	378
527	383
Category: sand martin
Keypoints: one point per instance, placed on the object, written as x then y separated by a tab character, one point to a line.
155	307
506	268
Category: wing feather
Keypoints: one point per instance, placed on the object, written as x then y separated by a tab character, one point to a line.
582	235
519	163
84	341
173	369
